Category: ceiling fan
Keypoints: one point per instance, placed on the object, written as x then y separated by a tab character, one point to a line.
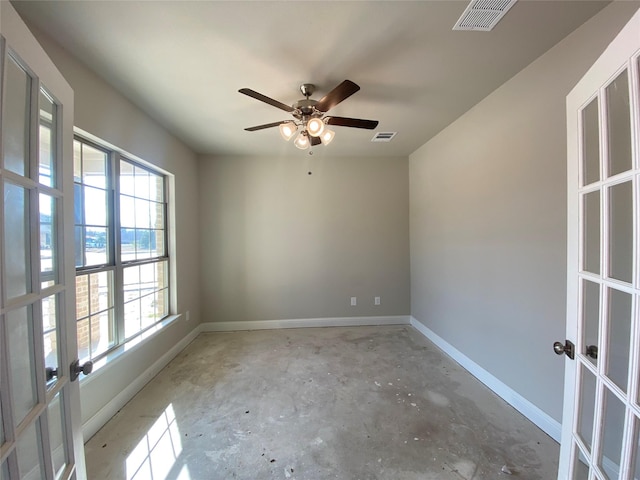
310	116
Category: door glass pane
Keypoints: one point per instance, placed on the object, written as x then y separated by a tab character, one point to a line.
618	117
48	129
590	143
636	449
581	465
21	365
56	434
590	315
15	119
591	233
587	406
1	427
621	232
16	234
49	325
48	232
612	433
619	313
28	449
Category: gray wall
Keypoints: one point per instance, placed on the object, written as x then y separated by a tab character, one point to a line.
103	112
488	220
278	243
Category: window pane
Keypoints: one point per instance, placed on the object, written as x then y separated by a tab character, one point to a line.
126	179
141	182
157	216
143	213
131	277
94	167
101	291
127	212
79	246
95	242
77	161
127	244
157	243
162	303
131	318
147	311
49	323
84	340
48	128
156	192
147	279
102	332
82	296
16	234
590	143
48	219
143	244
95	204
619	123
16	118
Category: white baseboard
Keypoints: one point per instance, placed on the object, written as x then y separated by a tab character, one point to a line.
100	418
304	323
546	423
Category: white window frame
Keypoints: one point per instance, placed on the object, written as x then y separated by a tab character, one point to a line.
115	263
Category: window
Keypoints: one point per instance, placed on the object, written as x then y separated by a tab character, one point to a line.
122	264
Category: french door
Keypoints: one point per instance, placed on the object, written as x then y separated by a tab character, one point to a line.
40	432
601	419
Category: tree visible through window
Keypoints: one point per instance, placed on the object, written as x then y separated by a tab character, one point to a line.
122	264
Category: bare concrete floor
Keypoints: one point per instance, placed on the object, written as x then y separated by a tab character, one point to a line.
323	403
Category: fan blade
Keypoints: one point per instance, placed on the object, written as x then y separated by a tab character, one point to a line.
266	125
338	94
314	140
265	99
352	122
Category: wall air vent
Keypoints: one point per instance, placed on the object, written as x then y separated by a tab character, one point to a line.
483	15
383	136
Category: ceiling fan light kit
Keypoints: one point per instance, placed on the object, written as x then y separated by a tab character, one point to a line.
302	141
311	115
288	130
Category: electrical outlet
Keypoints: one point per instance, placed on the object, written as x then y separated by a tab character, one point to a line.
354	301
187	315
376	301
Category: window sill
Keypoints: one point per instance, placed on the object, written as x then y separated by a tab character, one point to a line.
120	352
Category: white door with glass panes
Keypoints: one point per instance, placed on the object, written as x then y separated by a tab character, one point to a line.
601	418
40	431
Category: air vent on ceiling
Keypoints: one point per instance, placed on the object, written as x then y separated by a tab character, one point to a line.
483	15
383	136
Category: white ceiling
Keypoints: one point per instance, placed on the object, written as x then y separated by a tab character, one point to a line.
184	61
